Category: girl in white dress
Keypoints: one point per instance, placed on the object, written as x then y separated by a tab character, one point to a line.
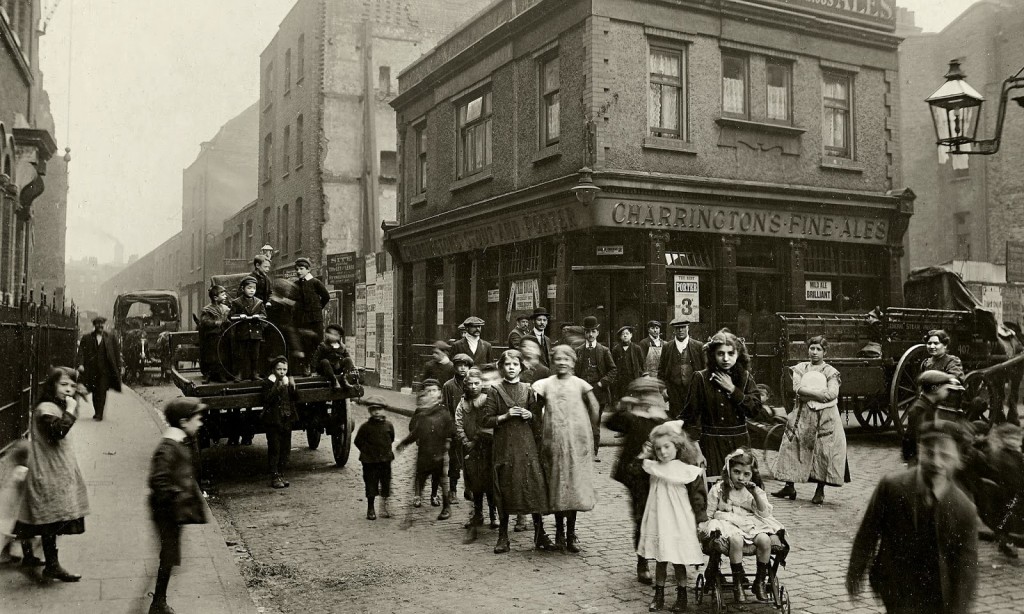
739	509
675	505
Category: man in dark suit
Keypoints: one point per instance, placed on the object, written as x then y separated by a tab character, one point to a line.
311	298
521	330
99	363
919	534
594	362
680	358
471	344
540	318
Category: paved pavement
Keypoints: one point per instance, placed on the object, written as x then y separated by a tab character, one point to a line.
309	548
117	554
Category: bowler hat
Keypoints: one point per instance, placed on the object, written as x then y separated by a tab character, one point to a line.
461	358
472	321
651	323
590	323
182	408
539	311
248	279
933	378
99	320
680	321
303	262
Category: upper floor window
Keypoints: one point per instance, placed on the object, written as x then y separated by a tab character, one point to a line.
300	63
287	71
549	103
268	156
298	141
268	85
836	129
282	228
286	149
734	85
265	229
384	80
421	158
248	238
474	120
666	99
298	223
388	164
778	80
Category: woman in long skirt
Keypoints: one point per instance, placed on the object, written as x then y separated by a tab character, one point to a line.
814	446
568	444
56	502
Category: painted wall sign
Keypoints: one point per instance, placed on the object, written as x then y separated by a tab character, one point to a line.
497	230
875	12
493	296
687	297
342	269
610	250
724	219
817	290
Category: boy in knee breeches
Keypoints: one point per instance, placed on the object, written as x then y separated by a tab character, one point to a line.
278	417
248	315
431	429
374	441
331	358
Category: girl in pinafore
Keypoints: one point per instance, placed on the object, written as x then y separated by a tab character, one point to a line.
720	400
739	509
675	506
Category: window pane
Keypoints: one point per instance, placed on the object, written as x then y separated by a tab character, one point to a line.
487	142
836	87
669	108
553	108
665	63
551	75
473	109
733	85
778	92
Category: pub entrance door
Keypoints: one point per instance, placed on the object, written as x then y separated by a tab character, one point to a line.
760	298
614	297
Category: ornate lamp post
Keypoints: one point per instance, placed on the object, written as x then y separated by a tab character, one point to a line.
956	107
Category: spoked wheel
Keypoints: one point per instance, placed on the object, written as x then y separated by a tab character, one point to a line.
341	443
903	389
872	413
717	603
698	589
784	604
977	398
313	434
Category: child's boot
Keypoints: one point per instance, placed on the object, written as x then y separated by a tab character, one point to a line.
560	537
159	606
371	513
658	603
541	541
760	589
643	574
385	512
493	517
277	481
446	511
502	546
680	604
739	578
28	557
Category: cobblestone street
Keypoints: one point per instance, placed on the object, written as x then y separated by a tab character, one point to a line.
308	548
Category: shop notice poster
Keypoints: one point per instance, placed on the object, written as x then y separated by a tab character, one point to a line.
687	300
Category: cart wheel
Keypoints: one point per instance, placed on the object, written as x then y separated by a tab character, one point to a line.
975	387
313	437
717	603
903	389
698	589
872	413
341	444
784	604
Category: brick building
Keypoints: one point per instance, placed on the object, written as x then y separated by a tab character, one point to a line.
328	162
968	206
747	155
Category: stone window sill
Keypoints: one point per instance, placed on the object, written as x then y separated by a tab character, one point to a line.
548	153
667	144
461	184
418	201
753	126
841	164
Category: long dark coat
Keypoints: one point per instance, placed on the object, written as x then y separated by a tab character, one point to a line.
629	365
248	329
519	484
720	419
102	367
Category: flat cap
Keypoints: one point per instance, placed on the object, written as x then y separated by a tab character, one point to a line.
182	408
461	358
681	321
374	401
431	382
99	320
933	377
248	279
442	345
651	323
303	262
472	321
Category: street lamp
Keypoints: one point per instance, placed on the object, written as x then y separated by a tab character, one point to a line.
585	190
956	108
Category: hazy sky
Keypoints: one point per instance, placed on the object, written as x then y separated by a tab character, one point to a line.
151	80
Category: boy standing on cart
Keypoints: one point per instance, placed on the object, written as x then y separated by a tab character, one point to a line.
248	314
311	298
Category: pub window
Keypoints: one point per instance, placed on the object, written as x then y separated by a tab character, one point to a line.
549	105
550	256
852	271
666	98
421	158
520	259
778	78
756	254
474	120
836	127
693	257
820	259
734	84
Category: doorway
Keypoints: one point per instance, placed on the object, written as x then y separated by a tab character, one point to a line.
759	299
614	298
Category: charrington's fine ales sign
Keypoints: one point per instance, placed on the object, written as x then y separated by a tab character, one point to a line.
875	12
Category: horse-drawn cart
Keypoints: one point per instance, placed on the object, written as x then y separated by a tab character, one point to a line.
879	355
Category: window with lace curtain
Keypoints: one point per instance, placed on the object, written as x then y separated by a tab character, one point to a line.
734	85
778	79
666	98
836	130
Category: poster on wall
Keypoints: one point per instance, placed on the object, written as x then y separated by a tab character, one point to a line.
523	295
552	291
493	296
817	290
992	299
440	308
687	297
360	338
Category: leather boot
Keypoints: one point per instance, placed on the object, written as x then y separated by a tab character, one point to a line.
541	541
787	492
560	538
520	523
760	590
680	604
28	557
159	606
739	578
55	571
446	511
643	574
502	546
572	543
385	512
658	603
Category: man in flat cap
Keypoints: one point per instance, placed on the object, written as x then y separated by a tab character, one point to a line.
471	344
99	363
651	346
933	388
679	359
311	297
521	330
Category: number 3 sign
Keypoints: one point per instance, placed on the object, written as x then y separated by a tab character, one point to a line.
687	297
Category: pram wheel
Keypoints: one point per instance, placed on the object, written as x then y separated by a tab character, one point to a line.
698	589
784	604
717	603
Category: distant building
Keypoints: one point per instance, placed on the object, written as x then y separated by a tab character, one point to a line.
328	162
84	282
968	206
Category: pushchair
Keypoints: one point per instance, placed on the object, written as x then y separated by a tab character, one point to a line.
713	581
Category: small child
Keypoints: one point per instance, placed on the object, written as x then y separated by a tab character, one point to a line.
374	440
431	429
12	493
477	442
278	416
740	511
175	498
248	313
331	357
675	505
